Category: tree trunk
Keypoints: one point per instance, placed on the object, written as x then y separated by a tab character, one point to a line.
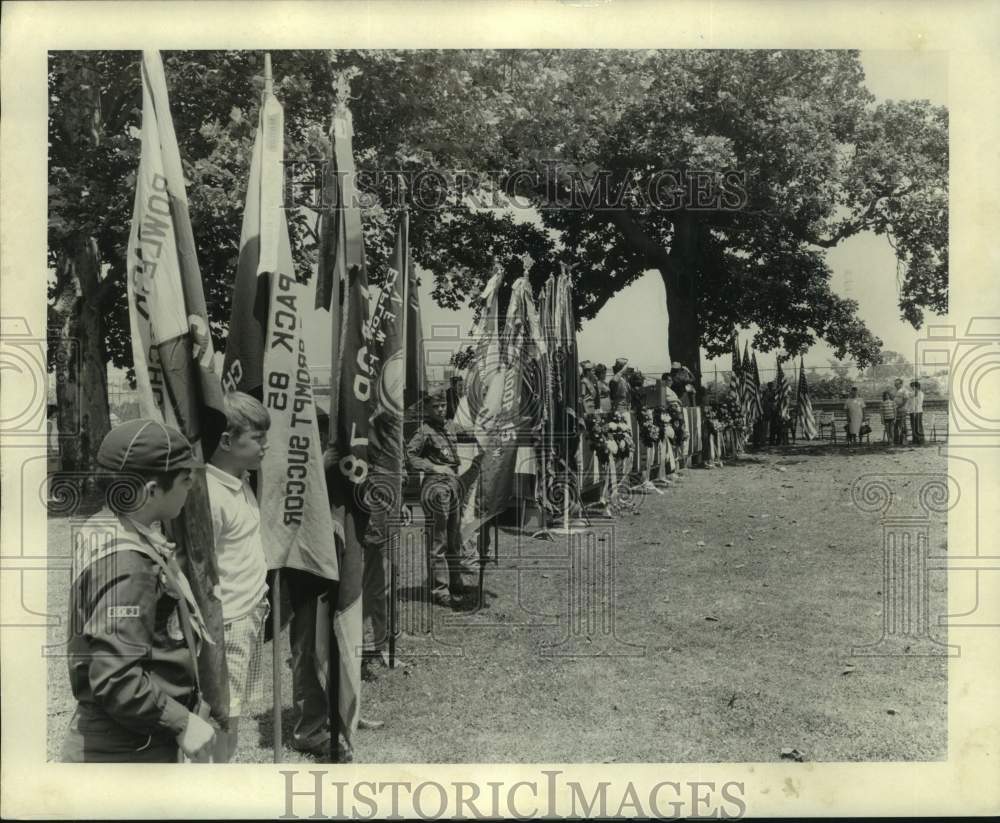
680	269
80	363
681	284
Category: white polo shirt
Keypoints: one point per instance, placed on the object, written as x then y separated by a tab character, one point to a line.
917	402
902	400
239	551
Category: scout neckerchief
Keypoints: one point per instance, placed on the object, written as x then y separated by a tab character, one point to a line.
179	583
103	535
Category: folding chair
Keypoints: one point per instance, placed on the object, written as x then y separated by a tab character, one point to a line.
825	421
938	422
865	435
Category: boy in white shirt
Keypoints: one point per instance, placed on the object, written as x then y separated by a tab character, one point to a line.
239	553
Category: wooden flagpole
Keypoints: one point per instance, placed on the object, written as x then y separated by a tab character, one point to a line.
394	541
276	667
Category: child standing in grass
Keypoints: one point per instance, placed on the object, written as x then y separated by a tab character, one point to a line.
888	415
136	630
239	554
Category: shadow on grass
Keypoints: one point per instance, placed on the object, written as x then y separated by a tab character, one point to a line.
265	727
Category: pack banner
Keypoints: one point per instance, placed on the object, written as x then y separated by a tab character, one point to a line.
348	484
384	333
266	357
177	370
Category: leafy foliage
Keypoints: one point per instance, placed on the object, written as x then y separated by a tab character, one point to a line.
551	153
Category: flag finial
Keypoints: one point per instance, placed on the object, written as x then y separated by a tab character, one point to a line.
268	77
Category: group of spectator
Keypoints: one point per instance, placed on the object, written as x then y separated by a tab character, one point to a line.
903	413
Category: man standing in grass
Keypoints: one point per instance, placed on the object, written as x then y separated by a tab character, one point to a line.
902	401
917	413
433	450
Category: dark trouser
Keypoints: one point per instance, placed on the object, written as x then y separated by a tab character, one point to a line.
763	431
900	437
889	425
375	580
452	565
311	713
917	427
93	737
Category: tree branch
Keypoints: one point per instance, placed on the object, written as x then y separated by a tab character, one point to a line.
655	255
854	226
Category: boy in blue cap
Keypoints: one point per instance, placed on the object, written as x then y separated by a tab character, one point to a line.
135	629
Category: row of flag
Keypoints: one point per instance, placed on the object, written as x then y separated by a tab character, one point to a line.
745	382
312	519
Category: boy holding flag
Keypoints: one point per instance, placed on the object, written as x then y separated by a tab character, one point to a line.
136	630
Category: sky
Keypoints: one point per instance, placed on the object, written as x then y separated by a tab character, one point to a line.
634	323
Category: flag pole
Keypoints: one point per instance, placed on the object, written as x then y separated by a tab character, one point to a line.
558	329
395	543
276	667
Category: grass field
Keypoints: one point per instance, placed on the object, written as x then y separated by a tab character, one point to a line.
737	597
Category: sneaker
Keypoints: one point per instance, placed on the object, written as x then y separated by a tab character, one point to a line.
365	723
442	600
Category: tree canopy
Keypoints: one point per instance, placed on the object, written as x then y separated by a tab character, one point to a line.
730	172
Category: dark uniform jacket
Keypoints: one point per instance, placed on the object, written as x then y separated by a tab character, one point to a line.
431	447
621	395
588	395
130	666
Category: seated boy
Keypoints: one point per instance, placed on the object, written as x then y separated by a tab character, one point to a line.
135	629
239	553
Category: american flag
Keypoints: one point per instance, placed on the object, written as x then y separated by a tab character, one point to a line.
735	379
749	392
782	393
803	405
758	399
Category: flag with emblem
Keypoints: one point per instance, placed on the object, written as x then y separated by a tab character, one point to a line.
385	333
803	405
342	287
492	405
266	357
176	368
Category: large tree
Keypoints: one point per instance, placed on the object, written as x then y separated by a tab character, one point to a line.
585	137
550	153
